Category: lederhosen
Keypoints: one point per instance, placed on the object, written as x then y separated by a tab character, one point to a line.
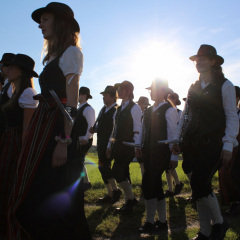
156	157
229	177
10	143
104	130
3	99
80	128
47	202
203	139
122	154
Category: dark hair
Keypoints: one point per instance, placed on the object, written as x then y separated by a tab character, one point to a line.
217	73
237	89
64	36
26	81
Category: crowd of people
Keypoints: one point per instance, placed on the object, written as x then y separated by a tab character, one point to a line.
45	137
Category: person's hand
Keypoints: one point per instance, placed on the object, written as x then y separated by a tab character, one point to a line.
83	142
176	149
91	130
59	157
138	152
173	165
226	156
108	153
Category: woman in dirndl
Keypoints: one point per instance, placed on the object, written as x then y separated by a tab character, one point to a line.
48	201
18	111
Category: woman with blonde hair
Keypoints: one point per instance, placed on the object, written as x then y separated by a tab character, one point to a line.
48	197
18	111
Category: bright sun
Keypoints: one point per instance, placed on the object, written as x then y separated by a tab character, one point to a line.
161	60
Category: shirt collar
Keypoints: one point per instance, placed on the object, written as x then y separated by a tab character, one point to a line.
82	104
108	108
158	106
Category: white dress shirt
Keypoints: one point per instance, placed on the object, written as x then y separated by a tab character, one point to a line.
232	122
89	114
172	119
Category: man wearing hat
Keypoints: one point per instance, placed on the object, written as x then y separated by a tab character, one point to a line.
84	120
171	175
209	137
127	125
103	126
160	122
6	90
143	103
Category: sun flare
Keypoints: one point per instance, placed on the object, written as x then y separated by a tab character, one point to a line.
160	60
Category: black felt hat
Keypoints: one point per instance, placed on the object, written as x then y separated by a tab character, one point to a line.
59	9
85	90
175	96
25	62
143	100
209	51
110	90
7	58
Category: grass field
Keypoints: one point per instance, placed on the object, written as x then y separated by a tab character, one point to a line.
182	216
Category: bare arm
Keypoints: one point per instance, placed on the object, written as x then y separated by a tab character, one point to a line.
60	151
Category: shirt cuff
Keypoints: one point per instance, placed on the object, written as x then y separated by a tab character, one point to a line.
174	158
228	146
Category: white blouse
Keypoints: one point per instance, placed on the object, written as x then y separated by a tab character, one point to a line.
26	99
71	61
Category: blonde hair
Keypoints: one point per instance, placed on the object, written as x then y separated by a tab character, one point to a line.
64	36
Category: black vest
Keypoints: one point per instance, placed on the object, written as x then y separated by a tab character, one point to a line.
81	121
52	77
124	123
3	99
105	126
79	129
155	125
206	109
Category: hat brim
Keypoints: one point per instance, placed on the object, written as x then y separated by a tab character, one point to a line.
144	103
36	16
218	58
33	73
107	92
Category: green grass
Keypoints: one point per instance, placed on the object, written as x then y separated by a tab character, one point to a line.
182	216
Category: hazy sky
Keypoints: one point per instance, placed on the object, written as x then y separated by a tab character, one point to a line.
134	40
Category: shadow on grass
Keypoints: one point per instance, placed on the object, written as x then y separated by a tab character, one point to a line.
130	224
177	217
98	216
